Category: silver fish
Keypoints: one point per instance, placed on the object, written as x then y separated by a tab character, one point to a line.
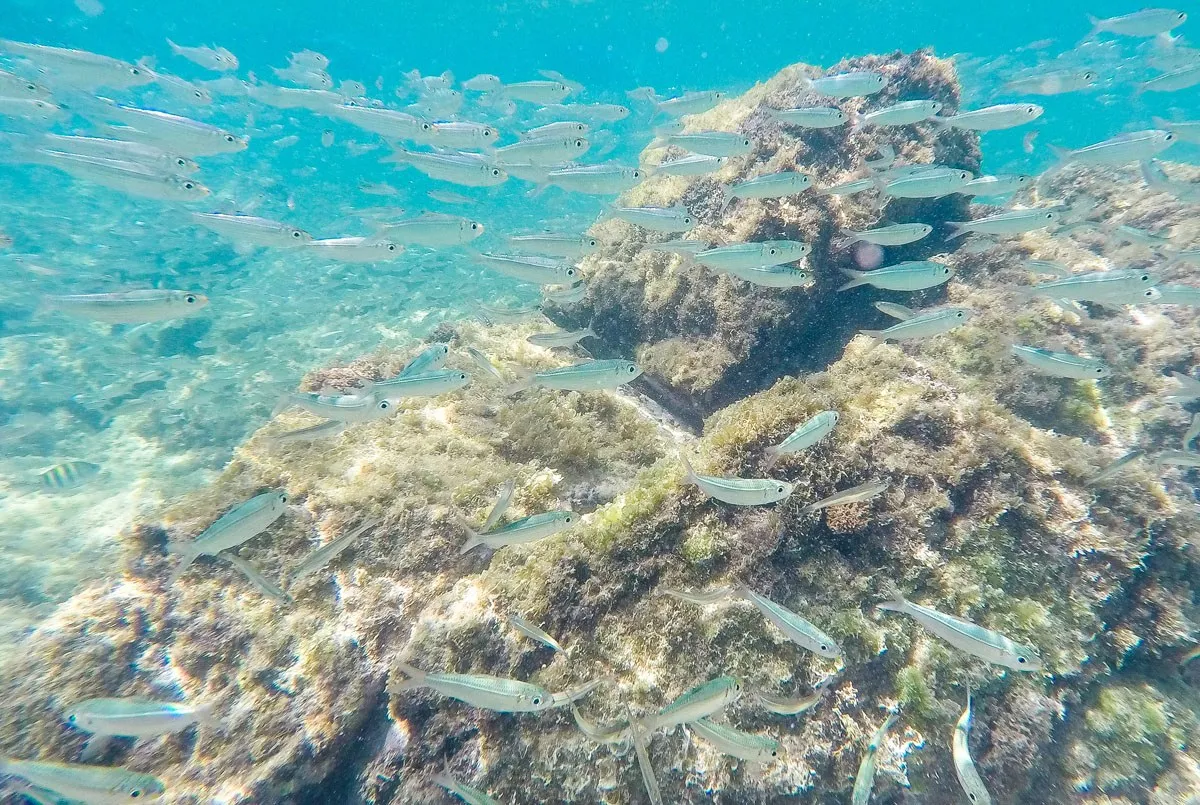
1189	389
657	219
904	113
539	92
894	310
560	338
598	180
469	170
913	275
134	717
773	185
1178	458
964	767
935	322
752	255
702	598
240	524
1147	22
690	103
427	360
1125	286
1061	364
1192	432
102	785
850	84
738	491
983	643
265	585
569	246
692	165
640	741
1172	81
15	86
794	707
811	117
1013	222
330	551
894	235
253	231
477	690
349	408
806	434
586	376
129	307
561	128
80	68
864	780
996	185
617	734
543	151
173	132
774	276
855	494
928	184
712	143
529	630
217	59
797	629
702	700
482	361
120	150
356	250
421	384
851	187
469	795
539	270
520	532
500	506
993	118
743	745
1120	150
1055	82
1112	469
431	230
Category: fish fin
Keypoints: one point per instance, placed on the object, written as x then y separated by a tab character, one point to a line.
856	278
175	48
898	602
729	197
415	679
525	381
689	473
845	241
958	229
474	539
206	714
1097	26
876	335
938	123
95	747
773	457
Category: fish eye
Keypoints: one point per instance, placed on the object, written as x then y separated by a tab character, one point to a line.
134	71
384	405
71	718
570	272
189	186
283	498
1099	371
426	127
229	138
190	299
824	647
391	247
31	87
971	796
1049	216
495	171
297	234
1089	75
632	369
737	686
964	175
579	143
958	315
181	162
135	793
1169	137
474	226
1145	278
592	242
745	142
567	519
779	489
773	252
637	174
462	376
1021	660
536	701
687	220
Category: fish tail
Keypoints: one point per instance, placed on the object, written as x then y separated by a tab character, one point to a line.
939	123
856	278
94	748
729	197
773	456
399	156
206	714
415	679
845	241
524	382
689	474
1097	26
897	602
958	229
588	332
174	47
474	540
186	554
875	335
282	404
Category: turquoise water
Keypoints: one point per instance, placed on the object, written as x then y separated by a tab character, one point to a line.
136	416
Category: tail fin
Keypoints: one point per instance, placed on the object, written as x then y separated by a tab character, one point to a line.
400	156
187	554
958	229
474	539
857	278
206	714
773	456
416	679
588	333
939	123
178	51
689	475
524	382
729	197
94	748
845	241
900	604
1097	26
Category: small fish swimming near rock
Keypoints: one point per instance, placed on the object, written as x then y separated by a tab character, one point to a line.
1189	389
913	275
855	494
1112	469
598	180
586	376
964	766
539	270
924	325
1122	286
68	475
983	643
736	743
690	103
993	118
794	707
991	186
797	629
560	339
852	84
894	310
692	165
430	359
657	219
483	362
103	785
330	551
1120	150
129	307
255	576
774	276
135	717
1013	222
1054	82
712	143
419	384
469	795
1144	23
552	245
217	59
240	524
811	117
347	408
738	491
696	703
531	631
1061	364
864	780
478	690
772	185
892	235
736	256
806	434
1178	458
526	530
904	113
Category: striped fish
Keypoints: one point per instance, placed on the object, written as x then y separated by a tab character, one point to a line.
68	475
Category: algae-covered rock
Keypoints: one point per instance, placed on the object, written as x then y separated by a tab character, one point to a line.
706	339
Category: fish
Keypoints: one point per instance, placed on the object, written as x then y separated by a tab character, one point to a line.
1192	432
640	741
924	325
478	690
1120	150
1178	458
735	256
772	185
481	360
1187	131
183	90
894	310
1061	364
1112	469
586	376
469	795
851	187
128	307
384	122
811	117
996	185
556	245
796	628
460	134
120	150
572	695
217	59
347	409
618	734
904	113
855	494
794	707
1122	286
738	491
134	717
264	585
742	745
419	384
30	109
597	180
101	785
993	118
539	270
682	246
1053	82
964	767
696	703
1172	81
1131	234
864	780
912	275
180	134
971	638
529	630
596	112
330	551
806	434
309	59
68	475
501	505
1013	222
80	68
561	128
690	103
526	530
542	151
432	357
656	219
893	235
1047	267
560	338
929	184
692	165
253	231
15	86
448	197
1144	23
468	170
712	143
539	92
240	524
850	84
1178	295
484	82
432	230
132	178
774	276
356	250
1189	389
702	598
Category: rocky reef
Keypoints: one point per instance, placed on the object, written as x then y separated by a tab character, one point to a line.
986	515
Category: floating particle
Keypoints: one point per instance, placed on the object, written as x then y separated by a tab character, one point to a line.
91	8
662	44
868	255
327	138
